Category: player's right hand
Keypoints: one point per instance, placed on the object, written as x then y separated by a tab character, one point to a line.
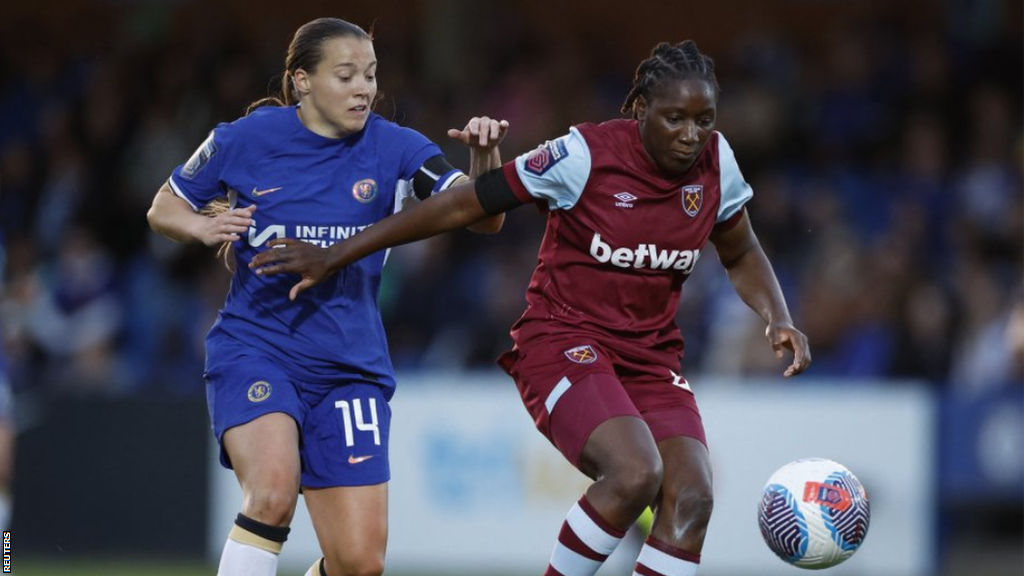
481	132
291	256
225	227
784	336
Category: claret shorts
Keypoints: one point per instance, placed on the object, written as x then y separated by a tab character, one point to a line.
571	382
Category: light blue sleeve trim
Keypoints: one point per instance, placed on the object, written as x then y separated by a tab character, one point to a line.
561	180
735	190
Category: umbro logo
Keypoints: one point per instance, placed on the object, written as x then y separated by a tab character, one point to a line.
679	381
257	193
625	200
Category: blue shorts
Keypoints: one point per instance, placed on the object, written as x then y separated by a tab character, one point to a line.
343	427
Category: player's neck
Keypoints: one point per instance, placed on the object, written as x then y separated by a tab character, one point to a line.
316	124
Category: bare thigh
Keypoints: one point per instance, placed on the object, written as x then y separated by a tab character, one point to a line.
265	456
351	524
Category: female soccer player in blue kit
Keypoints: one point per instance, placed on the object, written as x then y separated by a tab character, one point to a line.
631	205
298	394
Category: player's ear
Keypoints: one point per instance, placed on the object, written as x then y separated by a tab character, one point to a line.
301	81
639	107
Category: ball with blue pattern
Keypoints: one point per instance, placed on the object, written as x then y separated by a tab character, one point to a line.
814	513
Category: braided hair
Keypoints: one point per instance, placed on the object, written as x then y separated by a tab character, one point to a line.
666	63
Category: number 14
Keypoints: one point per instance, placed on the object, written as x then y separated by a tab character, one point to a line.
361	424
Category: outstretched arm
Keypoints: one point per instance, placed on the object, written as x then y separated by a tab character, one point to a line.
456	208
751	274
172	217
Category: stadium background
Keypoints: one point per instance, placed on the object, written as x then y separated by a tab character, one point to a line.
883	141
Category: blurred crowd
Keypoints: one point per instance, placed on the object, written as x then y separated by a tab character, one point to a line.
883	143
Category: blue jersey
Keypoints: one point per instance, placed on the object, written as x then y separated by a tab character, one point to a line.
319	190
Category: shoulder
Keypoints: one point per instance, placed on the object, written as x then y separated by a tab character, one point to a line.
392	132
264	121
721	151
267	116
609	134
619	127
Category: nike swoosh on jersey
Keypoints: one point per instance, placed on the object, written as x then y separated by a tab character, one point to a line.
258	193
358	459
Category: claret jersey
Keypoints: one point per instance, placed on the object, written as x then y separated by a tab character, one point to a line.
621	238
319	190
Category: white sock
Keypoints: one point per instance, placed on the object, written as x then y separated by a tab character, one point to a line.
585	542
659	559
244	560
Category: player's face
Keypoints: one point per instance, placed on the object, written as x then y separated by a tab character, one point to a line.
337	95
676	123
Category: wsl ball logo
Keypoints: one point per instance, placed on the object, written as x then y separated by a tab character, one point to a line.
259	391
364	190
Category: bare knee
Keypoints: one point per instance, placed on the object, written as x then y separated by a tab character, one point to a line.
366	564
637	483
273	505
688	509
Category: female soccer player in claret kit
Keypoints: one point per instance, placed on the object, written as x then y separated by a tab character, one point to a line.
298	393
631	204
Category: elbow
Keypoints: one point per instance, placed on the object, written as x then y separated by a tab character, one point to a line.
156	221
151	218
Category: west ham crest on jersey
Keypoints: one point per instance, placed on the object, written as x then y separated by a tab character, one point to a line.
581	355
693	197
543	158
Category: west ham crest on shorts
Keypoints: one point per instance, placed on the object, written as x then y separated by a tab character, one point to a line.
581	355
693	197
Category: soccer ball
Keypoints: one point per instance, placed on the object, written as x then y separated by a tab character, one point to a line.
814	513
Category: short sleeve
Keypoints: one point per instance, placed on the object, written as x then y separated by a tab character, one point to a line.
735	190
555	173
198	180
416	150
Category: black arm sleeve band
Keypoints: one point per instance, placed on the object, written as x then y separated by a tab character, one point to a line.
494	193
426	177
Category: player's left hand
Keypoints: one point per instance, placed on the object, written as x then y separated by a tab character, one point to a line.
291	256
481	132
786	336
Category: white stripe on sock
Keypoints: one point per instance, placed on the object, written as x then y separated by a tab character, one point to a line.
570	563
589	532
665	564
